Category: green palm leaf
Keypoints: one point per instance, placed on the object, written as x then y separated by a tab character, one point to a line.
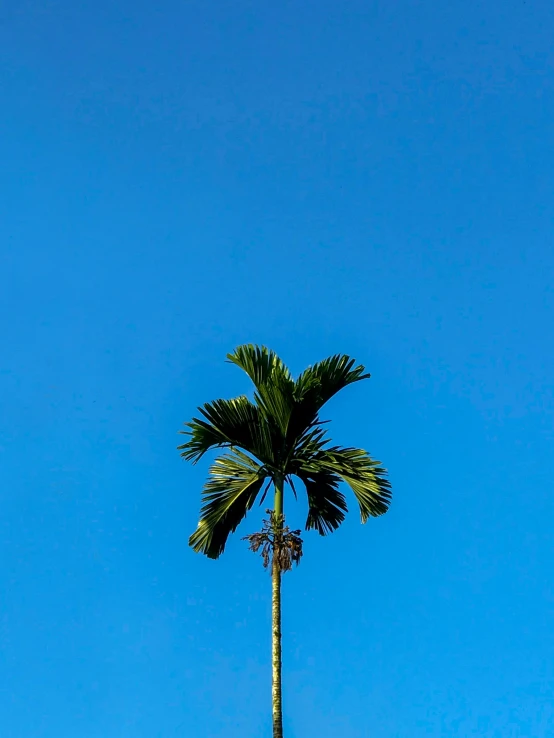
260	363
273	382
316	386
365	476
234	482
226	423
326	504
327	377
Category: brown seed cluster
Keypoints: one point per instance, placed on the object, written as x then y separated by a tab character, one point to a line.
278	545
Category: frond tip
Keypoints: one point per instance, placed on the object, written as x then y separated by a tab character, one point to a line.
260	363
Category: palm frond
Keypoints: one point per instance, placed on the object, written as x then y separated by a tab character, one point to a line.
317	385
310	443
233	484
273	382
259	362
326	503
226	423
365	476
276	401
330	376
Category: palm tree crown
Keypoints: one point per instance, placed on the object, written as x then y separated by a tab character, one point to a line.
274	439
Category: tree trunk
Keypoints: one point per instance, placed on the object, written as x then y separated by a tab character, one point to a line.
276	629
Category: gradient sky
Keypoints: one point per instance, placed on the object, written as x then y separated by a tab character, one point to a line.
373	178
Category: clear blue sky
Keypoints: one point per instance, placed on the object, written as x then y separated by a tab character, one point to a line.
365	177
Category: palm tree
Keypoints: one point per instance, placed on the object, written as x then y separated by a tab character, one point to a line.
270	441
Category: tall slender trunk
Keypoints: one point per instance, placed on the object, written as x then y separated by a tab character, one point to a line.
276	692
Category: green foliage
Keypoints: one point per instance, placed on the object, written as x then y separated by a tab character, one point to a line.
279	436
234	482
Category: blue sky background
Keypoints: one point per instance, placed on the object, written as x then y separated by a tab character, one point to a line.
368	177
